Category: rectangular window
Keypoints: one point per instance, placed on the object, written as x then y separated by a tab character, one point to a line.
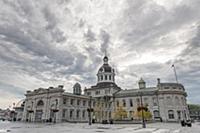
84	103
83	114
88	93
97	92
77	113
124	103
71	113
72	101
64	101
109	77
131	103
78	102
105	77
64	113
171	114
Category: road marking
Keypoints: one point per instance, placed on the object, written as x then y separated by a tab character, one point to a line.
176	131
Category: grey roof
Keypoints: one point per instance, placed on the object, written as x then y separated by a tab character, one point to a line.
74	95
137	92
171	84
105	85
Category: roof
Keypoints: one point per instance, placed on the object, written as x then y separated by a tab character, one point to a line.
136	92
105	85
74	95
171	84
106	68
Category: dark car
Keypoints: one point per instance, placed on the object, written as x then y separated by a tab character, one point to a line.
188	123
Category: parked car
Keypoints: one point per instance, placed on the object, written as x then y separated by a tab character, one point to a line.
188	123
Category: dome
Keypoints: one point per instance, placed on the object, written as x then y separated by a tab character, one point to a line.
105	68
106	73
105	59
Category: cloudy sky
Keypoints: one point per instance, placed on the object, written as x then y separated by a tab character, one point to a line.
46	43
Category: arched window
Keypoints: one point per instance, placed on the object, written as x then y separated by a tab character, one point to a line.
171	114
77	113
40	103
131	102
124	103
156	114
83	114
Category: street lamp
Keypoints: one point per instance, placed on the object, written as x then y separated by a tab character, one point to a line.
142	109
142	85
157	97
90	109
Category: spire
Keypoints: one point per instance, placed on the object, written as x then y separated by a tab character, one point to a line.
105	52
105	59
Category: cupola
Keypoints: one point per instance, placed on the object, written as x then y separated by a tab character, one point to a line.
142	84
77	89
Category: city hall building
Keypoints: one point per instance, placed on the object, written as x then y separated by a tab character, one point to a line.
165	101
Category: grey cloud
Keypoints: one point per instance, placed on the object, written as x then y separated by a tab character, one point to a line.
105	38
141	25
90	36
11	89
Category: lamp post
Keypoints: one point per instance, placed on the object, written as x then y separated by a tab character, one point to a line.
142	108
142	85
90	109
157	97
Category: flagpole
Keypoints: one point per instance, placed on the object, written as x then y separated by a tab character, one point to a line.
175	73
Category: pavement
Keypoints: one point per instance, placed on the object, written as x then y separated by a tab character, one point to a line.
17	127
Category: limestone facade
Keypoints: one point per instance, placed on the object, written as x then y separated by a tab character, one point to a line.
166	101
